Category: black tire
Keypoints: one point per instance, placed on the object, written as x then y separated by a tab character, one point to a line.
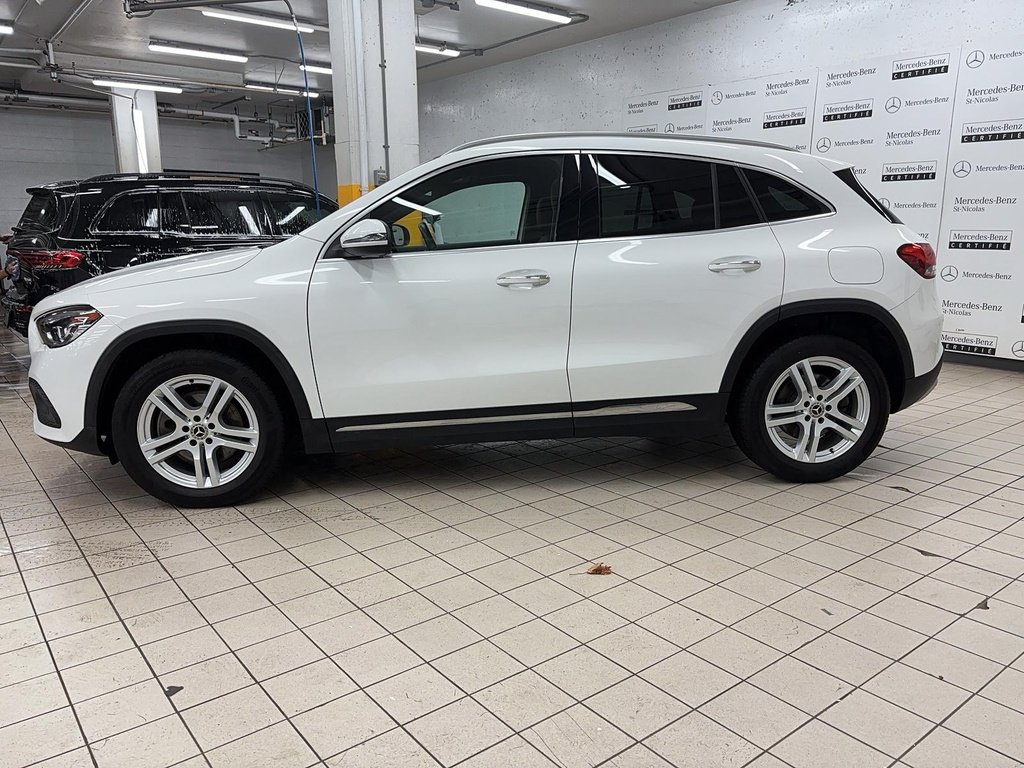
258	396
747	418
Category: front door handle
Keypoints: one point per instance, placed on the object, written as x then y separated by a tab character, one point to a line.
730	264
523	278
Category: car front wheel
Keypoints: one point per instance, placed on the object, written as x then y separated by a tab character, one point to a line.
197	428
813	410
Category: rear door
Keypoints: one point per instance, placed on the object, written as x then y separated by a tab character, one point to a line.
127	230
675	263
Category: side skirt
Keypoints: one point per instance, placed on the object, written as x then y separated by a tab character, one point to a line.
678	416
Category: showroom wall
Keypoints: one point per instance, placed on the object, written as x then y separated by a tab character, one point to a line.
583	86
37	147
925	98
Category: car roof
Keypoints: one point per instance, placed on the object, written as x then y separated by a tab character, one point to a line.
175	178
594	138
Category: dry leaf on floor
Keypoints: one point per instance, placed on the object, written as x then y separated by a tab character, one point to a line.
599	569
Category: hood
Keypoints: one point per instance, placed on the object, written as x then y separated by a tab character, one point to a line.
165	270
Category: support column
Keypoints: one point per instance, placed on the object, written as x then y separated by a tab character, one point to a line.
375	97
136	131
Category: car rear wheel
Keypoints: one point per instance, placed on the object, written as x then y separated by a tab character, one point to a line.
196	429
813	410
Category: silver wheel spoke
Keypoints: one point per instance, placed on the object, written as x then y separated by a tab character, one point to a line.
206	408
236	432
841	430
160	442
225	398
781	421
210	452
850	421
238	445
838	381
802	387
200	466
854	382
161	456
801	443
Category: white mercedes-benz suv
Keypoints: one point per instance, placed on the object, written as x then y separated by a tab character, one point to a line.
538	286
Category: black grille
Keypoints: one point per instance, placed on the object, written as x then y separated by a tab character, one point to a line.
45	411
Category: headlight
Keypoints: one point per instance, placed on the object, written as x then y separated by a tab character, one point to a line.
60	327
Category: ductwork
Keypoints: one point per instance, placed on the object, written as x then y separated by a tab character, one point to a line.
42	101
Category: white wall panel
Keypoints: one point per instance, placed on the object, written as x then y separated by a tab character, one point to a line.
583	86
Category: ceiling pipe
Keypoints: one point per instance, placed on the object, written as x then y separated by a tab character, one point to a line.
75	15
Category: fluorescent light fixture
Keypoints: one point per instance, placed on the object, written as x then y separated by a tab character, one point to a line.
6	28
197	53
262	21
136	86
437	50
285	91
316	68
526	10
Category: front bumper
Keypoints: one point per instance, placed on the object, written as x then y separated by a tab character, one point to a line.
917	388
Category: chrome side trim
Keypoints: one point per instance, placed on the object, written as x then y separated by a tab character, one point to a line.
629	409
455	422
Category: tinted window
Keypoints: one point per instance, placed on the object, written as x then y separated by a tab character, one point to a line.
850	179
781	199
495	202
131	213
220	212
735	208
292	212
639	195
40	213
172	213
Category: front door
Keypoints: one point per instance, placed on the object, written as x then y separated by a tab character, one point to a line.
674	265
465	325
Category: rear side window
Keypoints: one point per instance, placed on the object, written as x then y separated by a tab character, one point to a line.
643	195
41	213
782	200
292	212
222	212
849	178
130	213
735	208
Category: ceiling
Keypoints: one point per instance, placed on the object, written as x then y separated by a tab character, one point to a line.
102	39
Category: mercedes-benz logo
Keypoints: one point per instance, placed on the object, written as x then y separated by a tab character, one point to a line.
975	59
893	104
885	202
949	273
670	128
824	144
1018	349
962	169
716	97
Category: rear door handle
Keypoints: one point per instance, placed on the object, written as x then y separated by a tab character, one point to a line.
732	264
523	278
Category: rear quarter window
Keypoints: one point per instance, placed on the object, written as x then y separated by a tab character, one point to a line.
292	212
849	178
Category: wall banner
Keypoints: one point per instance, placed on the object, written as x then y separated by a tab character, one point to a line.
938	135
980	244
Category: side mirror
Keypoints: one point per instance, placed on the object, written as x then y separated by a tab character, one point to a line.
368	239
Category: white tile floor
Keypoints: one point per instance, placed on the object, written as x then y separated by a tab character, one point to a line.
431	607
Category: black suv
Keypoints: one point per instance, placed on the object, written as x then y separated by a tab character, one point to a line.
74	230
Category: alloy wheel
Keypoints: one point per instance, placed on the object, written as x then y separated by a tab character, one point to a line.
817	409
198	431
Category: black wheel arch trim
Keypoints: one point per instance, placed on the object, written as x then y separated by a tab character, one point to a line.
311	437
816	307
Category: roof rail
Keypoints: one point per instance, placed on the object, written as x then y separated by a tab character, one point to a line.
176	175
616	135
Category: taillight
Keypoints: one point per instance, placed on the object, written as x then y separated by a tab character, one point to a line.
920	257
52	259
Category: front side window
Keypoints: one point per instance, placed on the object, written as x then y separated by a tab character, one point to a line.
292	212
647	195
507	201
132	213
222	212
